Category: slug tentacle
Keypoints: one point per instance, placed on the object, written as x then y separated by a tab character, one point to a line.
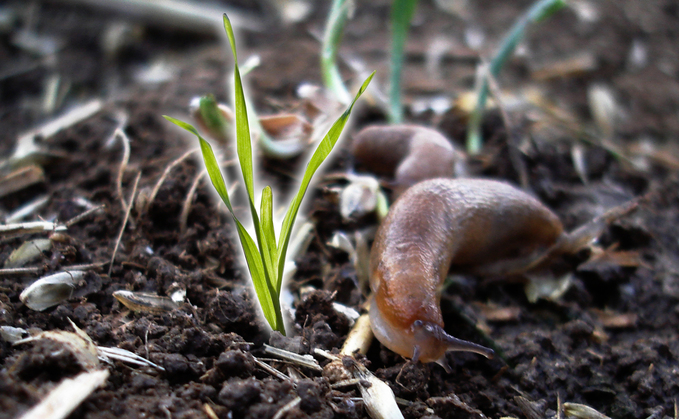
427	330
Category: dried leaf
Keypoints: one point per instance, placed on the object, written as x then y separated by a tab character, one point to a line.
82	348
68	395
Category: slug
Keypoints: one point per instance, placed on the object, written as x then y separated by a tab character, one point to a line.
408	152
472	225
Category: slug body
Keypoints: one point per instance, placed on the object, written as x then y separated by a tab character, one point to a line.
471	225
408	152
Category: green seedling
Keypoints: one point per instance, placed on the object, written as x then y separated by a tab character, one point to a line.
538	12
334	29
266	257
212	119
402	12
217	120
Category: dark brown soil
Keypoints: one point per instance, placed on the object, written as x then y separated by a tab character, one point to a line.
610	342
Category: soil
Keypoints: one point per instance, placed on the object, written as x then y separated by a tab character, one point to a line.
609	342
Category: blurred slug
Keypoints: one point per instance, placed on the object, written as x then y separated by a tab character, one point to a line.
408	152
476	226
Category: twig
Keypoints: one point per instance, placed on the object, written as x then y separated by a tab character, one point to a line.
27	209
514	155
186	207
19	271
209	411
106	354
288	407
297	359
271	370
360	337
70	118
78	218
164	176
123	165
559	406
20	179
122	228
84	267
13	230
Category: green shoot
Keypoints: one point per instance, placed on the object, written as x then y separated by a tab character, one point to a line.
213	119
217	121
334	29
265	257
281	150
539	11
402	12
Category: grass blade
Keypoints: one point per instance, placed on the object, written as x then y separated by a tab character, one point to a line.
321	153
243	140
210	160
539	11
263	288
401	14
268	233
334	29
244	148
267	145
267	296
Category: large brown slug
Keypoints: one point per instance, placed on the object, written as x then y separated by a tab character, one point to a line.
409	153
473	225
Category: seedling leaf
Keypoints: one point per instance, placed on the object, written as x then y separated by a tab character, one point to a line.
322	151
252	255
244	148
268	233
211	164
267	297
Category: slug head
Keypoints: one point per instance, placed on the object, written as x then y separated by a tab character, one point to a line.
423	341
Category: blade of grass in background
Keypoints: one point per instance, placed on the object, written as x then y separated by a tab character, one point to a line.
212	117
334	29
538	12
402	12
265	260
